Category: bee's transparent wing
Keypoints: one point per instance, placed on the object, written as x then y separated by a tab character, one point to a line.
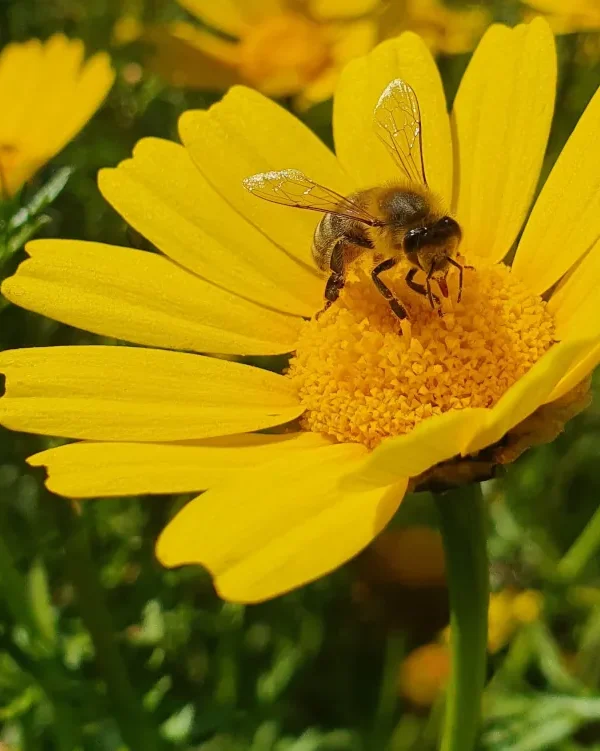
398	124
293	188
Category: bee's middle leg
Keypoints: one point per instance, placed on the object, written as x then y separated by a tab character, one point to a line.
397	308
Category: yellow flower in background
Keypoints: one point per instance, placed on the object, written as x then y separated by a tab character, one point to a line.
281	47
508	610
48	93
291	48
424	673
568	16
364	408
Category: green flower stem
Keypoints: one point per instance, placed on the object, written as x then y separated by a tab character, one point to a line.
395	650
135	725
582	551
463	524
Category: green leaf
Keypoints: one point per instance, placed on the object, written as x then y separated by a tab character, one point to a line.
42	199
41	603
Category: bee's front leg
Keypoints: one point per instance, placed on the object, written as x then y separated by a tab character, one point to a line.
420	289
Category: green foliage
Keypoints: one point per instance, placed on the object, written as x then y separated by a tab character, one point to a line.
102	649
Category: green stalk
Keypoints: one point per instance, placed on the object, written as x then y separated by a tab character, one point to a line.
581	552
395	650
463	524
136	728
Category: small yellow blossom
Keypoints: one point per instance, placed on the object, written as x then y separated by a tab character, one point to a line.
527	606
424	674
291	48
127	29
498	371
508	610
48	93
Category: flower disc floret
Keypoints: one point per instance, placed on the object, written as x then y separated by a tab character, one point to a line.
362	378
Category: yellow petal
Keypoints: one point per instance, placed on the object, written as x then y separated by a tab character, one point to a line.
432	441
501	119
280	525
178	211
224	15
565	221
205	41
318	90
530	392
52	95
143	298
130	394
247	133
353	40
341	9
575	304
580	370
19	69
350	40
362	83
82	99
92	470
234	17
193	58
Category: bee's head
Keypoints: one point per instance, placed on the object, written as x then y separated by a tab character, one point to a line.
432	244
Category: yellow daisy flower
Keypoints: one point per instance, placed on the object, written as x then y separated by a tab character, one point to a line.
364	408
568	16
281	47
48	93
291	48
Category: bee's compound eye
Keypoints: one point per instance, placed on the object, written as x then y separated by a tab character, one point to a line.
414	239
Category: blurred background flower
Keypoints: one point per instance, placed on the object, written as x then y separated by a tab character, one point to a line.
49	93
287	48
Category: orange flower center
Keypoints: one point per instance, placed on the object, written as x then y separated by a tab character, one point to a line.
363	378
283	53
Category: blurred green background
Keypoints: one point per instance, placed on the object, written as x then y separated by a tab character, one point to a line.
100	648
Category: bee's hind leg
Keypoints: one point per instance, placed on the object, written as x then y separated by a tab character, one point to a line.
397	308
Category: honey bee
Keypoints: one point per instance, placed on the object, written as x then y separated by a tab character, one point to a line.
399	220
